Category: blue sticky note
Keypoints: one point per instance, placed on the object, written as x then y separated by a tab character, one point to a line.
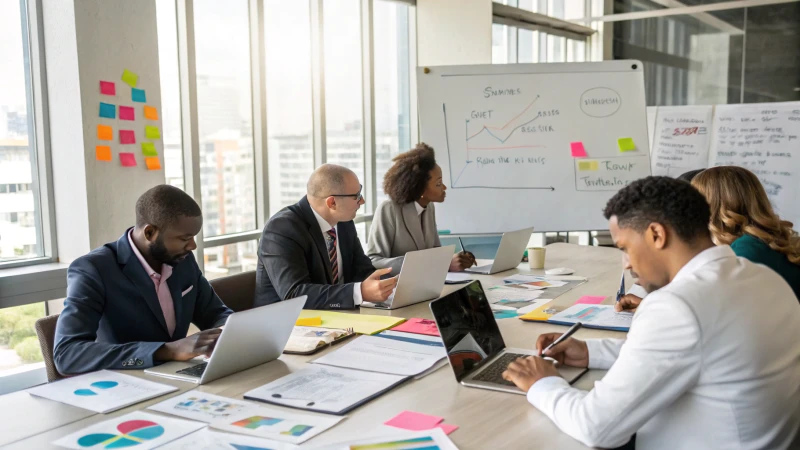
137	95
108	111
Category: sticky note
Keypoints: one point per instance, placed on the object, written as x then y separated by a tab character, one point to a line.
108	110
126	113
151	113
108	88
127	159
102	153
105	133
409	420
152	163
587	166
626	144
447	428
130	78
148	149
577	149
127	137
152	132
309	322
590	300
138	95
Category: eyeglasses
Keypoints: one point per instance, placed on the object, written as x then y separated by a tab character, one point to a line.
357	196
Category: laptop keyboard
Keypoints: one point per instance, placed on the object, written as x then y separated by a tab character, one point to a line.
194	371
494	373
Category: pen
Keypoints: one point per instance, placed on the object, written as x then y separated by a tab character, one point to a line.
464	249
564	336
621	291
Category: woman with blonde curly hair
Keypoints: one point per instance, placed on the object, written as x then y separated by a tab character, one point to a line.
742	217
407	222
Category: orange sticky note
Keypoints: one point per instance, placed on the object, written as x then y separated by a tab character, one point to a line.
102	153
150	113
105	133
309	322
152	163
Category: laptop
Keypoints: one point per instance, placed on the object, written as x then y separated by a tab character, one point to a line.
421	278
509	254
249	338
474	345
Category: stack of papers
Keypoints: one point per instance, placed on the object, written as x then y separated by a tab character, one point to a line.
308	339
515	298
395	355
594	316
360	323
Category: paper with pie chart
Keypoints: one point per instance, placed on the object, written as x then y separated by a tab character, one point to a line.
137	430
103	391
276	424
206	439
203	407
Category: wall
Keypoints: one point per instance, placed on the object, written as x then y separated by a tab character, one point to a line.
451	32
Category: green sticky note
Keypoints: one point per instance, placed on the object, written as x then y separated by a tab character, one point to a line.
626	144
130	78
152	132
148	149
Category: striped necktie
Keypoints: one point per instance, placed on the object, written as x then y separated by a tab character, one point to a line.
333	256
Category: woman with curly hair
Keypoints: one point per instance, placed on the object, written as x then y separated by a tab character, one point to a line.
742	217
407	222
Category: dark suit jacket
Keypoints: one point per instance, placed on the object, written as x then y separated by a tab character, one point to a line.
293	261
112	318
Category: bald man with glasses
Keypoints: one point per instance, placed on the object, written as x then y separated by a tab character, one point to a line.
312	248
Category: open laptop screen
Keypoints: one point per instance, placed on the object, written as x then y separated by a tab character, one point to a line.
468	328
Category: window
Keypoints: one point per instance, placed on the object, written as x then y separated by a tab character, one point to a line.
290	123
170	92
392	85
230	259
19	346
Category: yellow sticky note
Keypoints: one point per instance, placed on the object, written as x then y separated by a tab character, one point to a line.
152	163
150	113
309	322
152	132
587	165
626	144
105	133
130	78
102	153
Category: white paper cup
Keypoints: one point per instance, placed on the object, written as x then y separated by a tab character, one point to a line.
536	257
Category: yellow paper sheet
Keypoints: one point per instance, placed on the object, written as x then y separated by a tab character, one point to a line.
538	314
360	323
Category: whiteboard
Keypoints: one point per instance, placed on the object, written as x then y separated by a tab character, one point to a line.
503	137
651	126
765	139
681	141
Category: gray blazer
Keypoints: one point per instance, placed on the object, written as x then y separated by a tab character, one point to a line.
397	230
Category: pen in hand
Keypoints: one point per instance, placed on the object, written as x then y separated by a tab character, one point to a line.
563	337
464	249
621	291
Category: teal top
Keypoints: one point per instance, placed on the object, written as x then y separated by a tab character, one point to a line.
758	251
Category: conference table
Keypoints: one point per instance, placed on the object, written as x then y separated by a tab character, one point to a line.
486	419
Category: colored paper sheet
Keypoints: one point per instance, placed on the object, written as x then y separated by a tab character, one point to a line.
127	137
626	144
414	421
108	111
102	153
585	166
152	132
309	322
150	113
138	95
108	88
105	133
447	428
130	78
418	326
591	300
361	323
152	163
148	149
126	113
577	150
127	159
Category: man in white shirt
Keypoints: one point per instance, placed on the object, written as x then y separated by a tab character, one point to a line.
712	359
312	248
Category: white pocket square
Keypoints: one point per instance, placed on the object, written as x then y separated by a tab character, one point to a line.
189	289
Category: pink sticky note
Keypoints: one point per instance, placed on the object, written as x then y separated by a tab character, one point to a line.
127	159
447	428
577	150
590	300
126	113
418	326
127	137
409	420
108	88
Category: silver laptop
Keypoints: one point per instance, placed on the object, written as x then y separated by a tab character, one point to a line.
421	278
509	254
249	338
474	345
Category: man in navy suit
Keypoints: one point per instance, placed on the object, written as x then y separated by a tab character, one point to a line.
130	302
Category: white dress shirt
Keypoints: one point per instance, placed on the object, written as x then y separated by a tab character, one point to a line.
325	227
712	361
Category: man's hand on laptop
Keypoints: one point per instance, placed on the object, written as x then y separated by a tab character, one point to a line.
525	372
201	343
571	352
375	290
